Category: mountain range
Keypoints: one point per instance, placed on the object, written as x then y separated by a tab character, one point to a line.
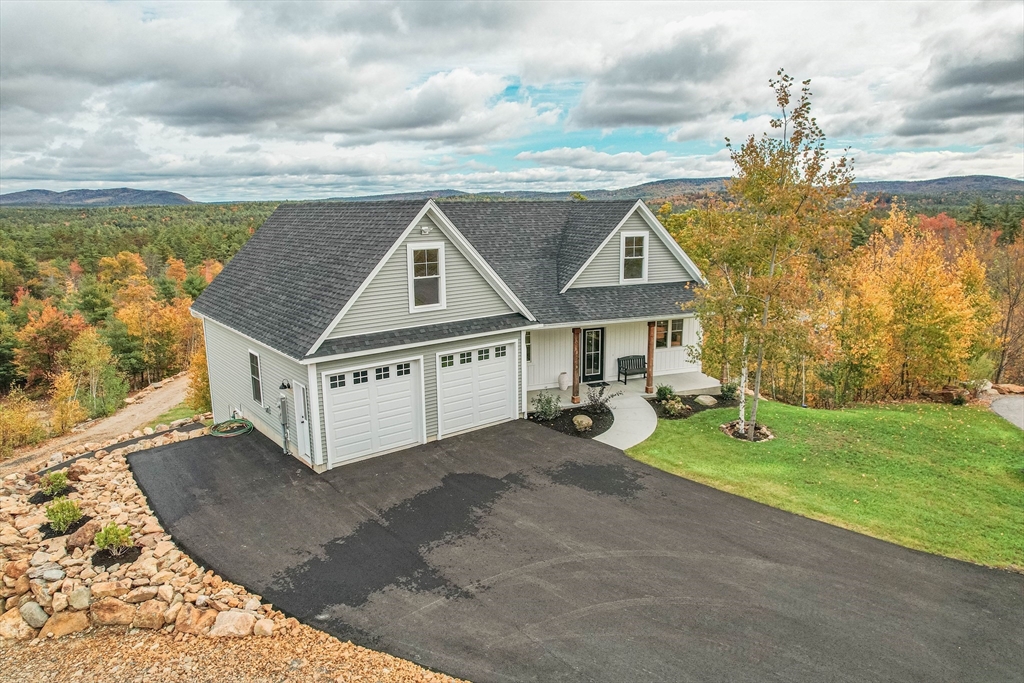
989	187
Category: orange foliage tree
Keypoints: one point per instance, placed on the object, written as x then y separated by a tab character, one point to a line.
49	333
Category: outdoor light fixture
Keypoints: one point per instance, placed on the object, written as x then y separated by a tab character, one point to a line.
285	385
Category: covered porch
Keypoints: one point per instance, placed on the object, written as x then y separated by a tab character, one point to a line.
684	383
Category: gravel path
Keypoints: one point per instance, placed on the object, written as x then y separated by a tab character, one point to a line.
111	656
1011	409
133	416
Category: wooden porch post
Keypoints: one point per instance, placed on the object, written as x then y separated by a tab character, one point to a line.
651	333
575	365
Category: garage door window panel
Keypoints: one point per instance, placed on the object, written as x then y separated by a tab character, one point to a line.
478	390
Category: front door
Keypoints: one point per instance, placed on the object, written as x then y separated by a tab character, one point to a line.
301	420
593	355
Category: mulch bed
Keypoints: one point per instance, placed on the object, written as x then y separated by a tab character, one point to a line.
563	423
49	533
104	559
39	497
695	407
761	433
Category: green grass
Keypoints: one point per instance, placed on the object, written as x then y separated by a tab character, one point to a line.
178	412
943	479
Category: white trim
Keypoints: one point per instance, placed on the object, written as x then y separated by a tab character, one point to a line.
597	251
623	234
442	301
417	326
309	432
209	374
613	321
478	261
415	345
422	427
522	373
250	339
437	381
672	245
314	405
259	366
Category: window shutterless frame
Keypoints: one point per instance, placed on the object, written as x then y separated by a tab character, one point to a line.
633	250
411	250
256	377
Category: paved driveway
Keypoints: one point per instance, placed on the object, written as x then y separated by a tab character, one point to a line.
518	554
1010	408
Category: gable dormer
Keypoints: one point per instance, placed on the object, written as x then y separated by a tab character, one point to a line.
638	251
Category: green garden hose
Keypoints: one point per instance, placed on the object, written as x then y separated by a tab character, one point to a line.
235	427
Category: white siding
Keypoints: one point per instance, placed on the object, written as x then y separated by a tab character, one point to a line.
384	304
662	265
429	353
230	388
552	352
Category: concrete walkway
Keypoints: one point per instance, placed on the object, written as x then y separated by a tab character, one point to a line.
1011	409
635	420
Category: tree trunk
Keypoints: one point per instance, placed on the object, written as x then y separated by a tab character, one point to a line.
743	389
760	348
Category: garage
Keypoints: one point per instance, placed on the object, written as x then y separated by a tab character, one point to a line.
475	387
373	409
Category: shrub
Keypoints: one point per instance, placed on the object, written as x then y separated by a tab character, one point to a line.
597	401
730	390
959	400
676	408
18	424
546	407
665	392
54	483
114	539
62	513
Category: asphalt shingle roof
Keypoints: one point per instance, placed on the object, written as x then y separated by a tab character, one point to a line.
286	285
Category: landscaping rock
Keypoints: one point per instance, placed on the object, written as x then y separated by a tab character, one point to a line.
194	620
16	569
33	614
150	615
1009	388
77	469
80	598
582	423
60	602
141	594
706	400
263	627
13	627
110	589
64	623
84	536
233	624
112	612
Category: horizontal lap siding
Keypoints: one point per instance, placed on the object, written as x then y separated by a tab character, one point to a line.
384	304
230	388
662	265
429	354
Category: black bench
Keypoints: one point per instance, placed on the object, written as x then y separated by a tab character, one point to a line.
632	365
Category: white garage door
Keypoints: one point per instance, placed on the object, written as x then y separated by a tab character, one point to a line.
476	387
373	409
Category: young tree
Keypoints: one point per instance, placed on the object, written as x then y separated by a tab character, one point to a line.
67	411
90	362
47	334
198	397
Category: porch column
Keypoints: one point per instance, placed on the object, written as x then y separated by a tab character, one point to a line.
576	365
652	330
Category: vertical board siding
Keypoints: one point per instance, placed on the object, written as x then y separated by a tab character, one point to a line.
552	352
384	304
429	353
662	266
230	389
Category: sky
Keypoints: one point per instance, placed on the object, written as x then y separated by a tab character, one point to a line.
264	100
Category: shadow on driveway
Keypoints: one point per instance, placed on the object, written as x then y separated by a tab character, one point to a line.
515	553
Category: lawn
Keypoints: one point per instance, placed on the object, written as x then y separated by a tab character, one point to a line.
178	412
943	479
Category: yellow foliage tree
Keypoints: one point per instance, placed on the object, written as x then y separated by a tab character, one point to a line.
116	269
176	270
198	397
67	411
18	424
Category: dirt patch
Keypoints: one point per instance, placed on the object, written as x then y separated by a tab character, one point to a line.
563	423
49	532
104	559
694	407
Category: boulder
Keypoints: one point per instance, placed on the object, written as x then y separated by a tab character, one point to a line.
150	615
110	589
141	594
13	627
706	400
263	627
112	612
77	469
1008	388
33	614
80	598
64	623
233	624
16	569
193	620
582	423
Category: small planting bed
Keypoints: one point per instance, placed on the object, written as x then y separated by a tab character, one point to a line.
563	423
694	407
39	497
104	559
49	532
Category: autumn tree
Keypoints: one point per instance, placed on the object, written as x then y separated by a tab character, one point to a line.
41	341
1007	278
117	269
198	397
67	411
100	388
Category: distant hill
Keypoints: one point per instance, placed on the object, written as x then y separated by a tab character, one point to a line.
121	196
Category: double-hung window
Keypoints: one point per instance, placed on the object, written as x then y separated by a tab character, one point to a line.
255	377
634	257
668	333
426	277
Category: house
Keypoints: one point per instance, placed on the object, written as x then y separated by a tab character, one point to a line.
347	330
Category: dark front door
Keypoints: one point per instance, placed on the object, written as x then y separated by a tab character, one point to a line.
593	355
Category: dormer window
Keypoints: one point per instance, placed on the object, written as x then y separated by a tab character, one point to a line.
633	267
426	277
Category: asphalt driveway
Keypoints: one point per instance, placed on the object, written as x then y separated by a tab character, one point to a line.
518	554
